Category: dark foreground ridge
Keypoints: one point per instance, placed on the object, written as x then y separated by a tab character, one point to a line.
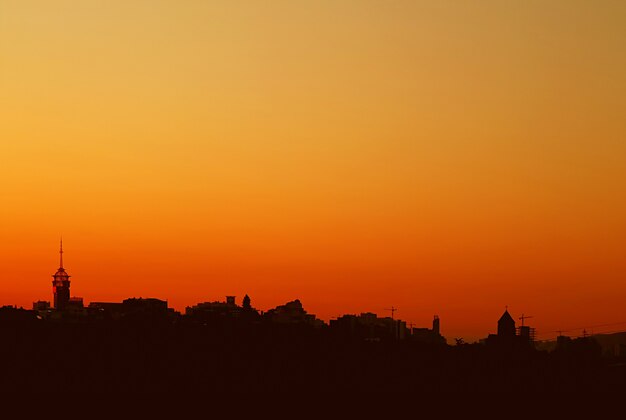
140	345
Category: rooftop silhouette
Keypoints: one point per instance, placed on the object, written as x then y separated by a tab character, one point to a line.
141	344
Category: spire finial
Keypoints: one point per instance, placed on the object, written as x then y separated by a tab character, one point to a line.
61	253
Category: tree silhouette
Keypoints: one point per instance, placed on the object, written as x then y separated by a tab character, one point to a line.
246	303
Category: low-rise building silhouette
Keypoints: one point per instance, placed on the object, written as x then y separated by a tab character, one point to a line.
509	336
132	309
292	313
216	309
41	305
369	327
429	335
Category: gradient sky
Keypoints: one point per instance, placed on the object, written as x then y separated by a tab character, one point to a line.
444	157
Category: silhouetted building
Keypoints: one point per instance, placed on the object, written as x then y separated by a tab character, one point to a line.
144	306
216	313
364	326
506	325
139	309
583	350
510	337
106	310
10	315
563	342
41	305
527	334
429	336
213	310
74	310
76	302
246	303
292	313
369	327
61	285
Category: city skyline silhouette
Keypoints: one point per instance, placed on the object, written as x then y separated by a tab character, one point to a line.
61	299
142	345
327	194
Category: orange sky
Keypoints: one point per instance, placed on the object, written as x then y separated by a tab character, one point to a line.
441	157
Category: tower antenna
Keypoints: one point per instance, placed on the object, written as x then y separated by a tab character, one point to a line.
61	253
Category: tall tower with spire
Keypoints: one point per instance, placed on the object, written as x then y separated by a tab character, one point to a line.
61	284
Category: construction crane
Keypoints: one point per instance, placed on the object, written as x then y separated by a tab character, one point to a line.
523	317
393	310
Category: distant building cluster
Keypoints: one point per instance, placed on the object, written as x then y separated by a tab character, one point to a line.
509	335
369	327
366	326
143	344
363	327
228	316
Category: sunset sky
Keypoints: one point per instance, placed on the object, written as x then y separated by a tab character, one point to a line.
443	157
